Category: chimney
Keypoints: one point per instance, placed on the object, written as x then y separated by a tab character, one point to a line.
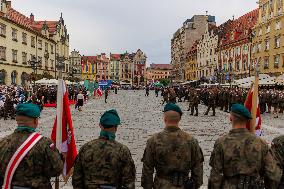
32	17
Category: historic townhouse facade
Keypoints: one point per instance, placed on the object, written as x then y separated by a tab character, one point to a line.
235	47
207	56
191	64
125	68
268	41
23	39
139	68
89	68
102	67
184	38
156	72
75	60
113	68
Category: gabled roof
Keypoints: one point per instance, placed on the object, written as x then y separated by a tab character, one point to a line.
115	57
161	66
240	28
28	22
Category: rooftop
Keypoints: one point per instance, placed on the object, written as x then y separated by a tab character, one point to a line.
161	66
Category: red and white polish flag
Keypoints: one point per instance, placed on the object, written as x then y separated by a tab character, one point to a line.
248	105
62	132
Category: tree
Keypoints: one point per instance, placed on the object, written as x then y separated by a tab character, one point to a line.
165	82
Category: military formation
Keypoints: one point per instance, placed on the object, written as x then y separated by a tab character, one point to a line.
172	159
270	100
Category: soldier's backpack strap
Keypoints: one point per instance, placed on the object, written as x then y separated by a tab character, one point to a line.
18	156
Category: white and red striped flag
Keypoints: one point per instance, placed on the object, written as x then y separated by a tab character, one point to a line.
99	92
62	132
248	105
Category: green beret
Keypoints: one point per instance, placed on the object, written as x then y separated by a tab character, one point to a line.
173	107
241	110
110	119
28	110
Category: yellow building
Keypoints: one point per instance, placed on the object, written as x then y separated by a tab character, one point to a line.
113	67
190	65
89	68
23	39
268	44
156	72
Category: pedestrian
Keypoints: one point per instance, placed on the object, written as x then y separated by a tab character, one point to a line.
174	154
240	159
80	100
106	94
104	162
41	160
277	148
147	91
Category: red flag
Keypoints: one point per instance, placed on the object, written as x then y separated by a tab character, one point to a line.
99	92
248	105
66	144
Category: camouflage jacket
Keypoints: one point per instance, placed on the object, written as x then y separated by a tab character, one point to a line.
40	164
278	152
104	162
242	153
171	150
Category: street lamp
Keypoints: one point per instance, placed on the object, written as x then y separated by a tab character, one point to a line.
60	65
34	65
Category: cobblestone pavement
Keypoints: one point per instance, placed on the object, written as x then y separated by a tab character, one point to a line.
141	117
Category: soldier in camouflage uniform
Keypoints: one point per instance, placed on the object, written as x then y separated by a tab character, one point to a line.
172	96
41	163
211	101
193	102
275	103
104	163
165	95
277	148
174	154
241	160
281	101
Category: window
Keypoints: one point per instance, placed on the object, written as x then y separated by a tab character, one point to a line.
266	45
46	47
24	36
278	25
40	60
260	32
51	49
32	41
40	44
14	34
266	63
24	57
2	30
2	53
15	55
259	47
268	29
277	42
276	61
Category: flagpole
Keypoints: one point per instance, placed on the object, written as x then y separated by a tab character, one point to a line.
59	108
254	100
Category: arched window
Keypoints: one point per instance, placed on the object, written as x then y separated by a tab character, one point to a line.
14	77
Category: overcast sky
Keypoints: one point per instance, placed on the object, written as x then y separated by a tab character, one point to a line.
117	26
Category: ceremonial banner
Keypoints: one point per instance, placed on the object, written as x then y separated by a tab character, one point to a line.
62	132
248	105
99	92
86	84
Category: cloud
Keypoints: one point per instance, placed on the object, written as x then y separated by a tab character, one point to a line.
125	25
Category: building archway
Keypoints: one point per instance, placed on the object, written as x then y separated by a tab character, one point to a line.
24	78
3	75
14	75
